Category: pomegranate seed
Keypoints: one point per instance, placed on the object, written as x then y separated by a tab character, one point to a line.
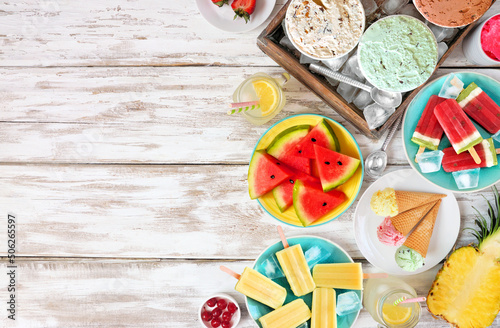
226	316
221	304
216	312
211	302
207	316
231	307
215	322
226	324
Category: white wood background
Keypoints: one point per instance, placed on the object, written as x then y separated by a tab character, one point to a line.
127	178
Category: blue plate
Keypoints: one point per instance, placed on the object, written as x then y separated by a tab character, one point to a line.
338	255
488	176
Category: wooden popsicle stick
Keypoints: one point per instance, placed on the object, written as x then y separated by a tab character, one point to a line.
497	150
474	155
375	275
420	151
230	272
282	236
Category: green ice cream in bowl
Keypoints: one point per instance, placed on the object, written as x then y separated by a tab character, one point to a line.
398	53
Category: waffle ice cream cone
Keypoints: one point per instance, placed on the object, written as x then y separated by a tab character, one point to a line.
407	200
419	239
404	222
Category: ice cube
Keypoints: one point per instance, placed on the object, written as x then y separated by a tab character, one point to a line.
362	100
353	65
442	48
467	178
452	87
393	6
496	136
335	63
347	91
307	60
370	6
304	325
315	255
348	303
442	33
271	268
333	82
376	115
285	42
410	10
430	161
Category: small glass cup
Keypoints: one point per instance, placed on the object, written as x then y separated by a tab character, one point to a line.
378	292
245	92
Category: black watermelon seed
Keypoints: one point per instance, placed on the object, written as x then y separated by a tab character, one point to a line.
300	151
339	163
291	181
278	163
313	140
324	204
327	163
272	176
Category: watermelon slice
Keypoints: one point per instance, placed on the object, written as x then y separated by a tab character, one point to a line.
283	194
321	135
284	142
334	168
311	203
265	173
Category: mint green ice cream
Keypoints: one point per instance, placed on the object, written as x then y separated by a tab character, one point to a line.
409	259
398	53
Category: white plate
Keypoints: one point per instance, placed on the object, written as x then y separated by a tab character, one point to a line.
222	17
366	222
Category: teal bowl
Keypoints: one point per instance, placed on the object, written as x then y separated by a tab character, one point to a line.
338	255
488	176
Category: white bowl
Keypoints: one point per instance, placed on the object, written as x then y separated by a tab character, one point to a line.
236	316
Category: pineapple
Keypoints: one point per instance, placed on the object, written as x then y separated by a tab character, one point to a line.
466	291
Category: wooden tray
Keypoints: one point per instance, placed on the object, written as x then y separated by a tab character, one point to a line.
268	42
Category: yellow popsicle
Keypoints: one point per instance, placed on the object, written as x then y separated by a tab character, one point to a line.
323	308
290	315
294	266
260	288
339	275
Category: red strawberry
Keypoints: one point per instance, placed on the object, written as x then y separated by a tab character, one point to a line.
220	3
243	8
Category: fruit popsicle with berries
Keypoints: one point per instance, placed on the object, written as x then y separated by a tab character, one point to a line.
294	266
453	162
290	315
428	132
478	105
459	129
258	287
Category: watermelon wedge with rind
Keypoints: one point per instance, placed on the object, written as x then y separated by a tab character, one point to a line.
285	141
321	135
311	203
334	168
265	173
283	194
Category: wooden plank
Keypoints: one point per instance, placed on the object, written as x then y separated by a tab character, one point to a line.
137	33
82	293
142	115
155	211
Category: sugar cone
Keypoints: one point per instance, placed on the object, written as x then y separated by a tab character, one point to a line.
404	222
419	239
407	200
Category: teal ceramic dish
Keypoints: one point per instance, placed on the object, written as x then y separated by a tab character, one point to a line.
338	255
488	176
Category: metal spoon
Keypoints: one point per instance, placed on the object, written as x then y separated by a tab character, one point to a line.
383	98
377	161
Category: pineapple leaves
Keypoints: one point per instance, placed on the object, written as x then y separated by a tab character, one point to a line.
483	231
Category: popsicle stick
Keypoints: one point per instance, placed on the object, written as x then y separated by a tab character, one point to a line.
474	155
420	151
243	104
282	236
497	150
230	272
375	275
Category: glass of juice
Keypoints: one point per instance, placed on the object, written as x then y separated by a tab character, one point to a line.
265	89
379	296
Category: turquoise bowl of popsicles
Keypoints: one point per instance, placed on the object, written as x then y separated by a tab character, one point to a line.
487	175
317	250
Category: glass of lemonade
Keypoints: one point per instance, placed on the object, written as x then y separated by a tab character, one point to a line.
265	89
379	296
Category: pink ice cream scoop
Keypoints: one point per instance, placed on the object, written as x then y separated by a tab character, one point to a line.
388	235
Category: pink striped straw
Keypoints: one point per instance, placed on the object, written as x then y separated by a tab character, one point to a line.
243	104
414	300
